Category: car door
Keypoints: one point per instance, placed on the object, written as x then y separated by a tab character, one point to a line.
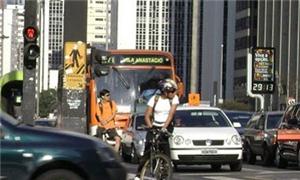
13	165
250	131
291	147
259	134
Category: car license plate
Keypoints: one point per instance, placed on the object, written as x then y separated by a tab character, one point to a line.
209	151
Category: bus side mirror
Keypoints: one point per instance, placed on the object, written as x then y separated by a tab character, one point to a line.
101	70
180	86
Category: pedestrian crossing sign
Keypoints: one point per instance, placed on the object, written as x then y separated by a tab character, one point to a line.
74	65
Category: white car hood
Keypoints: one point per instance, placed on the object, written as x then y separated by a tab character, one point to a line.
205	133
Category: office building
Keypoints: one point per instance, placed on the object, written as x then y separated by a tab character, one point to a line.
278	26
11	41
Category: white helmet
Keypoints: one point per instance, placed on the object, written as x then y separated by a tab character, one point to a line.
168	85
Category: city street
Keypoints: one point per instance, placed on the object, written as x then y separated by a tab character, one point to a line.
248	172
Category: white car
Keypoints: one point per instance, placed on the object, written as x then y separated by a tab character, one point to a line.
205	135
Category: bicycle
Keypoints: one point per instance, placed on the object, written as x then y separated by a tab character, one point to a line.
159	165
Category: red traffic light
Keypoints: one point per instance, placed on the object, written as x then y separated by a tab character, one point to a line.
31	33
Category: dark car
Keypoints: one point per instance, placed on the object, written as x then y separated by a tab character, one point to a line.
39	153
288	150
260	136
239	116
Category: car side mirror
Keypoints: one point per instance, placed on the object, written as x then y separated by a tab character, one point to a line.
283	125
237	124
142	127
129	129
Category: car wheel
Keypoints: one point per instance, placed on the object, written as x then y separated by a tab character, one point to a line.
236	166
216	167
266	157
250	156
133	155
59	174
280	162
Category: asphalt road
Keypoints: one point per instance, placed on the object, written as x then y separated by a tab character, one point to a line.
249	172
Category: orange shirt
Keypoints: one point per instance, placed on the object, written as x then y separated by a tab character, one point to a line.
105	110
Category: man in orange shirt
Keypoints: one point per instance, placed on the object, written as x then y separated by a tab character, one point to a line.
106	117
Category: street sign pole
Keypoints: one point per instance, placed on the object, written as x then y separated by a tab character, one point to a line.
29	84
249	82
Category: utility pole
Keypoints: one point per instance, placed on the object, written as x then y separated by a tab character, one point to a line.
195	54
31	53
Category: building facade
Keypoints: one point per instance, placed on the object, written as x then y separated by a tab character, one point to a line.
245	40
11	41
278	26
269	24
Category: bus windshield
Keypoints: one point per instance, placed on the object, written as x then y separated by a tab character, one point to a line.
127	85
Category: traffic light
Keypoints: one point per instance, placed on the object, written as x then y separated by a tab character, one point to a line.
31	49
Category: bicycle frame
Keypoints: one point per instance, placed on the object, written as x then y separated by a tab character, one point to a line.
155	146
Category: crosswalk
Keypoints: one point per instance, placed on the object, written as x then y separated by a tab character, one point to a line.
248	173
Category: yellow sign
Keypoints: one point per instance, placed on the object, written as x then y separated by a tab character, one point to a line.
74	65
194	99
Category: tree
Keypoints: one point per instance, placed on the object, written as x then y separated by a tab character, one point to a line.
48	102
233	105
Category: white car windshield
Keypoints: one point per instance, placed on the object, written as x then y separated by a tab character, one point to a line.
200	118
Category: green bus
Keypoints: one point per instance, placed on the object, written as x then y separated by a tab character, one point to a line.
11	90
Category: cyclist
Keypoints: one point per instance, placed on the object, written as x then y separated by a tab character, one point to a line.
159	114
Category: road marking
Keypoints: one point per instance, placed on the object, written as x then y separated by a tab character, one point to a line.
221	178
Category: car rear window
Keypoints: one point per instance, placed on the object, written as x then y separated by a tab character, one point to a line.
273	120
200	118
240	117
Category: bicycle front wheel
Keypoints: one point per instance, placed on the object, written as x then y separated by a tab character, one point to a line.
159	167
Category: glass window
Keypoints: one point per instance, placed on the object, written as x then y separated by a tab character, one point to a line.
273	120
200	118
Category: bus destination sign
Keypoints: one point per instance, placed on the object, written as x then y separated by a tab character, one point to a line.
137	60
263	70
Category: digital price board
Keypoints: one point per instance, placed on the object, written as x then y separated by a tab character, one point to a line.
263	70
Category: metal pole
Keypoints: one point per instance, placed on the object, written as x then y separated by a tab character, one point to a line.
194	56
29	84
221	76
249	82
298	57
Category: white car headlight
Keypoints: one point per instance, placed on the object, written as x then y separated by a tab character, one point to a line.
236	139
228	141
178	140
188	142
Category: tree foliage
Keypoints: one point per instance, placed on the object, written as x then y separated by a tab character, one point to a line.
47	102
233	105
